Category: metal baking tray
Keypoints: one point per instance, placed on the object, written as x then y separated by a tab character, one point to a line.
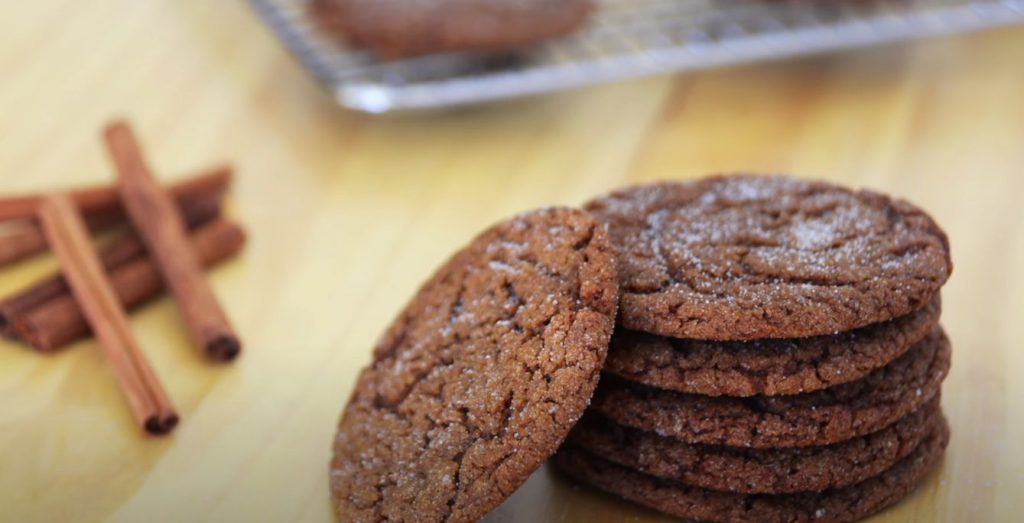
624	39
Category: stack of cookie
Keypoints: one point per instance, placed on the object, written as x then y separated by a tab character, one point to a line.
778	355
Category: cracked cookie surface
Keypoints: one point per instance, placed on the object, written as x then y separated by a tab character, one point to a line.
757	471
822	417
769	367
850	503
482	375
749	257
403	28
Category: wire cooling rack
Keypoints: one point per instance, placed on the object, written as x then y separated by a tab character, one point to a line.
624	39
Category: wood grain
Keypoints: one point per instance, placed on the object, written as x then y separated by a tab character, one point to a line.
348	214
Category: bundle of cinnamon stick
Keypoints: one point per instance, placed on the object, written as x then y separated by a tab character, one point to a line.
172	234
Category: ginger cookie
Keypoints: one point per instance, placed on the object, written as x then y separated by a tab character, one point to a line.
404	28
757	471
749	257
694	503
482	375
816	418
769	367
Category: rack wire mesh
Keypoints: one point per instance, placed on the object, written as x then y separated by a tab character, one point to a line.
624	39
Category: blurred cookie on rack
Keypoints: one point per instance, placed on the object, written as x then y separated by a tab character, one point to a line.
403	28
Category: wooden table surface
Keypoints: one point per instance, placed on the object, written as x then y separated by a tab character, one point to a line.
349	213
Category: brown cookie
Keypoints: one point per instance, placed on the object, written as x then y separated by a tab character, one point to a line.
403	28
816	418
838	505
757	471
482	375
748	257
767	367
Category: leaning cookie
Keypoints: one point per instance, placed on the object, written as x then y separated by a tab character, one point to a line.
749	257
816	418
694	503
769	367
404	28
757	471
482	376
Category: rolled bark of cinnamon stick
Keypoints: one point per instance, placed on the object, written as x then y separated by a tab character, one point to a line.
101	207
105	199
67	236
119	252
59	321
20	241
152	213
25	239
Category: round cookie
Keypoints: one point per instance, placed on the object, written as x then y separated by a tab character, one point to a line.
749	257
757	471
404	28
816	418
766	367
850	503
481	376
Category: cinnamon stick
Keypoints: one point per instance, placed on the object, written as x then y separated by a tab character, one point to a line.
20	241
119	252
105	199
25	239
60	321
152	213
101	207
67	235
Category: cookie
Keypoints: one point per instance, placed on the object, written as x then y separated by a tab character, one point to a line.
765	367
757	471
481	376
816	418
404	28
688	502
749	257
